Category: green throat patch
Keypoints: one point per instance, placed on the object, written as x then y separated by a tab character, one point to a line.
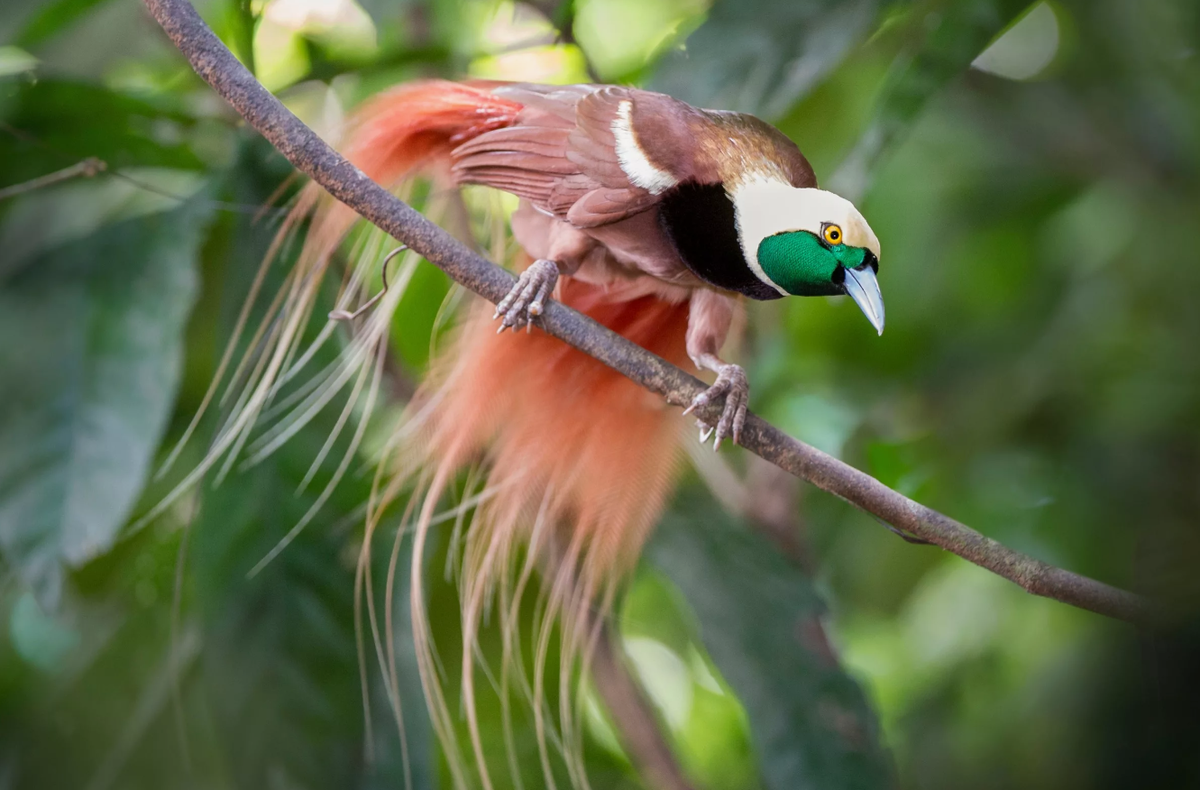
802	265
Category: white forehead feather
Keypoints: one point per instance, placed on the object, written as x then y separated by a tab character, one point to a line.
765	207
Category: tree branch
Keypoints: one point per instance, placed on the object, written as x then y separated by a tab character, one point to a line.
635	717
304	149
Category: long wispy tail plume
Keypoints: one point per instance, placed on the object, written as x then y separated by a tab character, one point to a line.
572	462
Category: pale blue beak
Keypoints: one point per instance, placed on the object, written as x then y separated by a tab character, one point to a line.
862	286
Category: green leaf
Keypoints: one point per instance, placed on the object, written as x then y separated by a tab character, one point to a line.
52	18
51	124
91	360
14	60
39	639
280	668
736	62
759	56
760	618
939	42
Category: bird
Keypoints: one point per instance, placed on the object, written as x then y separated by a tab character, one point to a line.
657	219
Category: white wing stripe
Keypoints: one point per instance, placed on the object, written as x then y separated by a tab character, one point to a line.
640	170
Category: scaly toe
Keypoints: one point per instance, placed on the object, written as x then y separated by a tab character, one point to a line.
730	383
526	300
726	426
739	421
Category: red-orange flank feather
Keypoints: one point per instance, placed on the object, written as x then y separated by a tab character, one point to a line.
579	459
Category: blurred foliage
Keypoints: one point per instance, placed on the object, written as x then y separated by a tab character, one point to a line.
77	438
1033	172
810	723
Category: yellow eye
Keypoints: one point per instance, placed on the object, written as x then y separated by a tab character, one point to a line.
832	234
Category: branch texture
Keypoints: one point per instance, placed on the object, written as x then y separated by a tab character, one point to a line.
634	714
310	154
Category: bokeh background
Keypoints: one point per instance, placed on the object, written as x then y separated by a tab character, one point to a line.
1033	172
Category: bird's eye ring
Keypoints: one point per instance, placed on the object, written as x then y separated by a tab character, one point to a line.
832	233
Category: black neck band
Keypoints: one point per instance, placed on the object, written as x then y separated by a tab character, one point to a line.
699	219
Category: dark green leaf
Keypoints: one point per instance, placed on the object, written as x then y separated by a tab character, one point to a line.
91	358
51	124
760	619
759	56
279	669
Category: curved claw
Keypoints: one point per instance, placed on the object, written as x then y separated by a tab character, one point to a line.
731	382
527	299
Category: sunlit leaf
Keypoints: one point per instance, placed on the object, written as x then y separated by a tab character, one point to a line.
14	60
1026	47
621	36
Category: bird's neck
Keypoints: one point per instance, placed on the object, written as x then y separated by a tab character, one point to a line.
702	222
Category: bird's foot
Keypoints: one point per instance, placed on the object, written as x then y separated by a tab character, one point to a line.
528	297
731	382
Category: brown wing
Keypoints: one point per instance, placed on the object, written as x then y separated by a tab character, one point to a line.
561	153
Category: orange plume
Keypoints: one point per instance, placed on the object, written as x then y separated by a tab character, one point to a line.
580	460
407	129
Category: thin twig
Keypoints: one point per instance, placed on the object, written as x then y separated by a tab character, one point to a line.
346	315
309	153
93	166
634	715
86	168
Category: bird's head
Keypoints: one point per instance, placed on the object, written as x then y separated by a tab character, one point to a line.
809	242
